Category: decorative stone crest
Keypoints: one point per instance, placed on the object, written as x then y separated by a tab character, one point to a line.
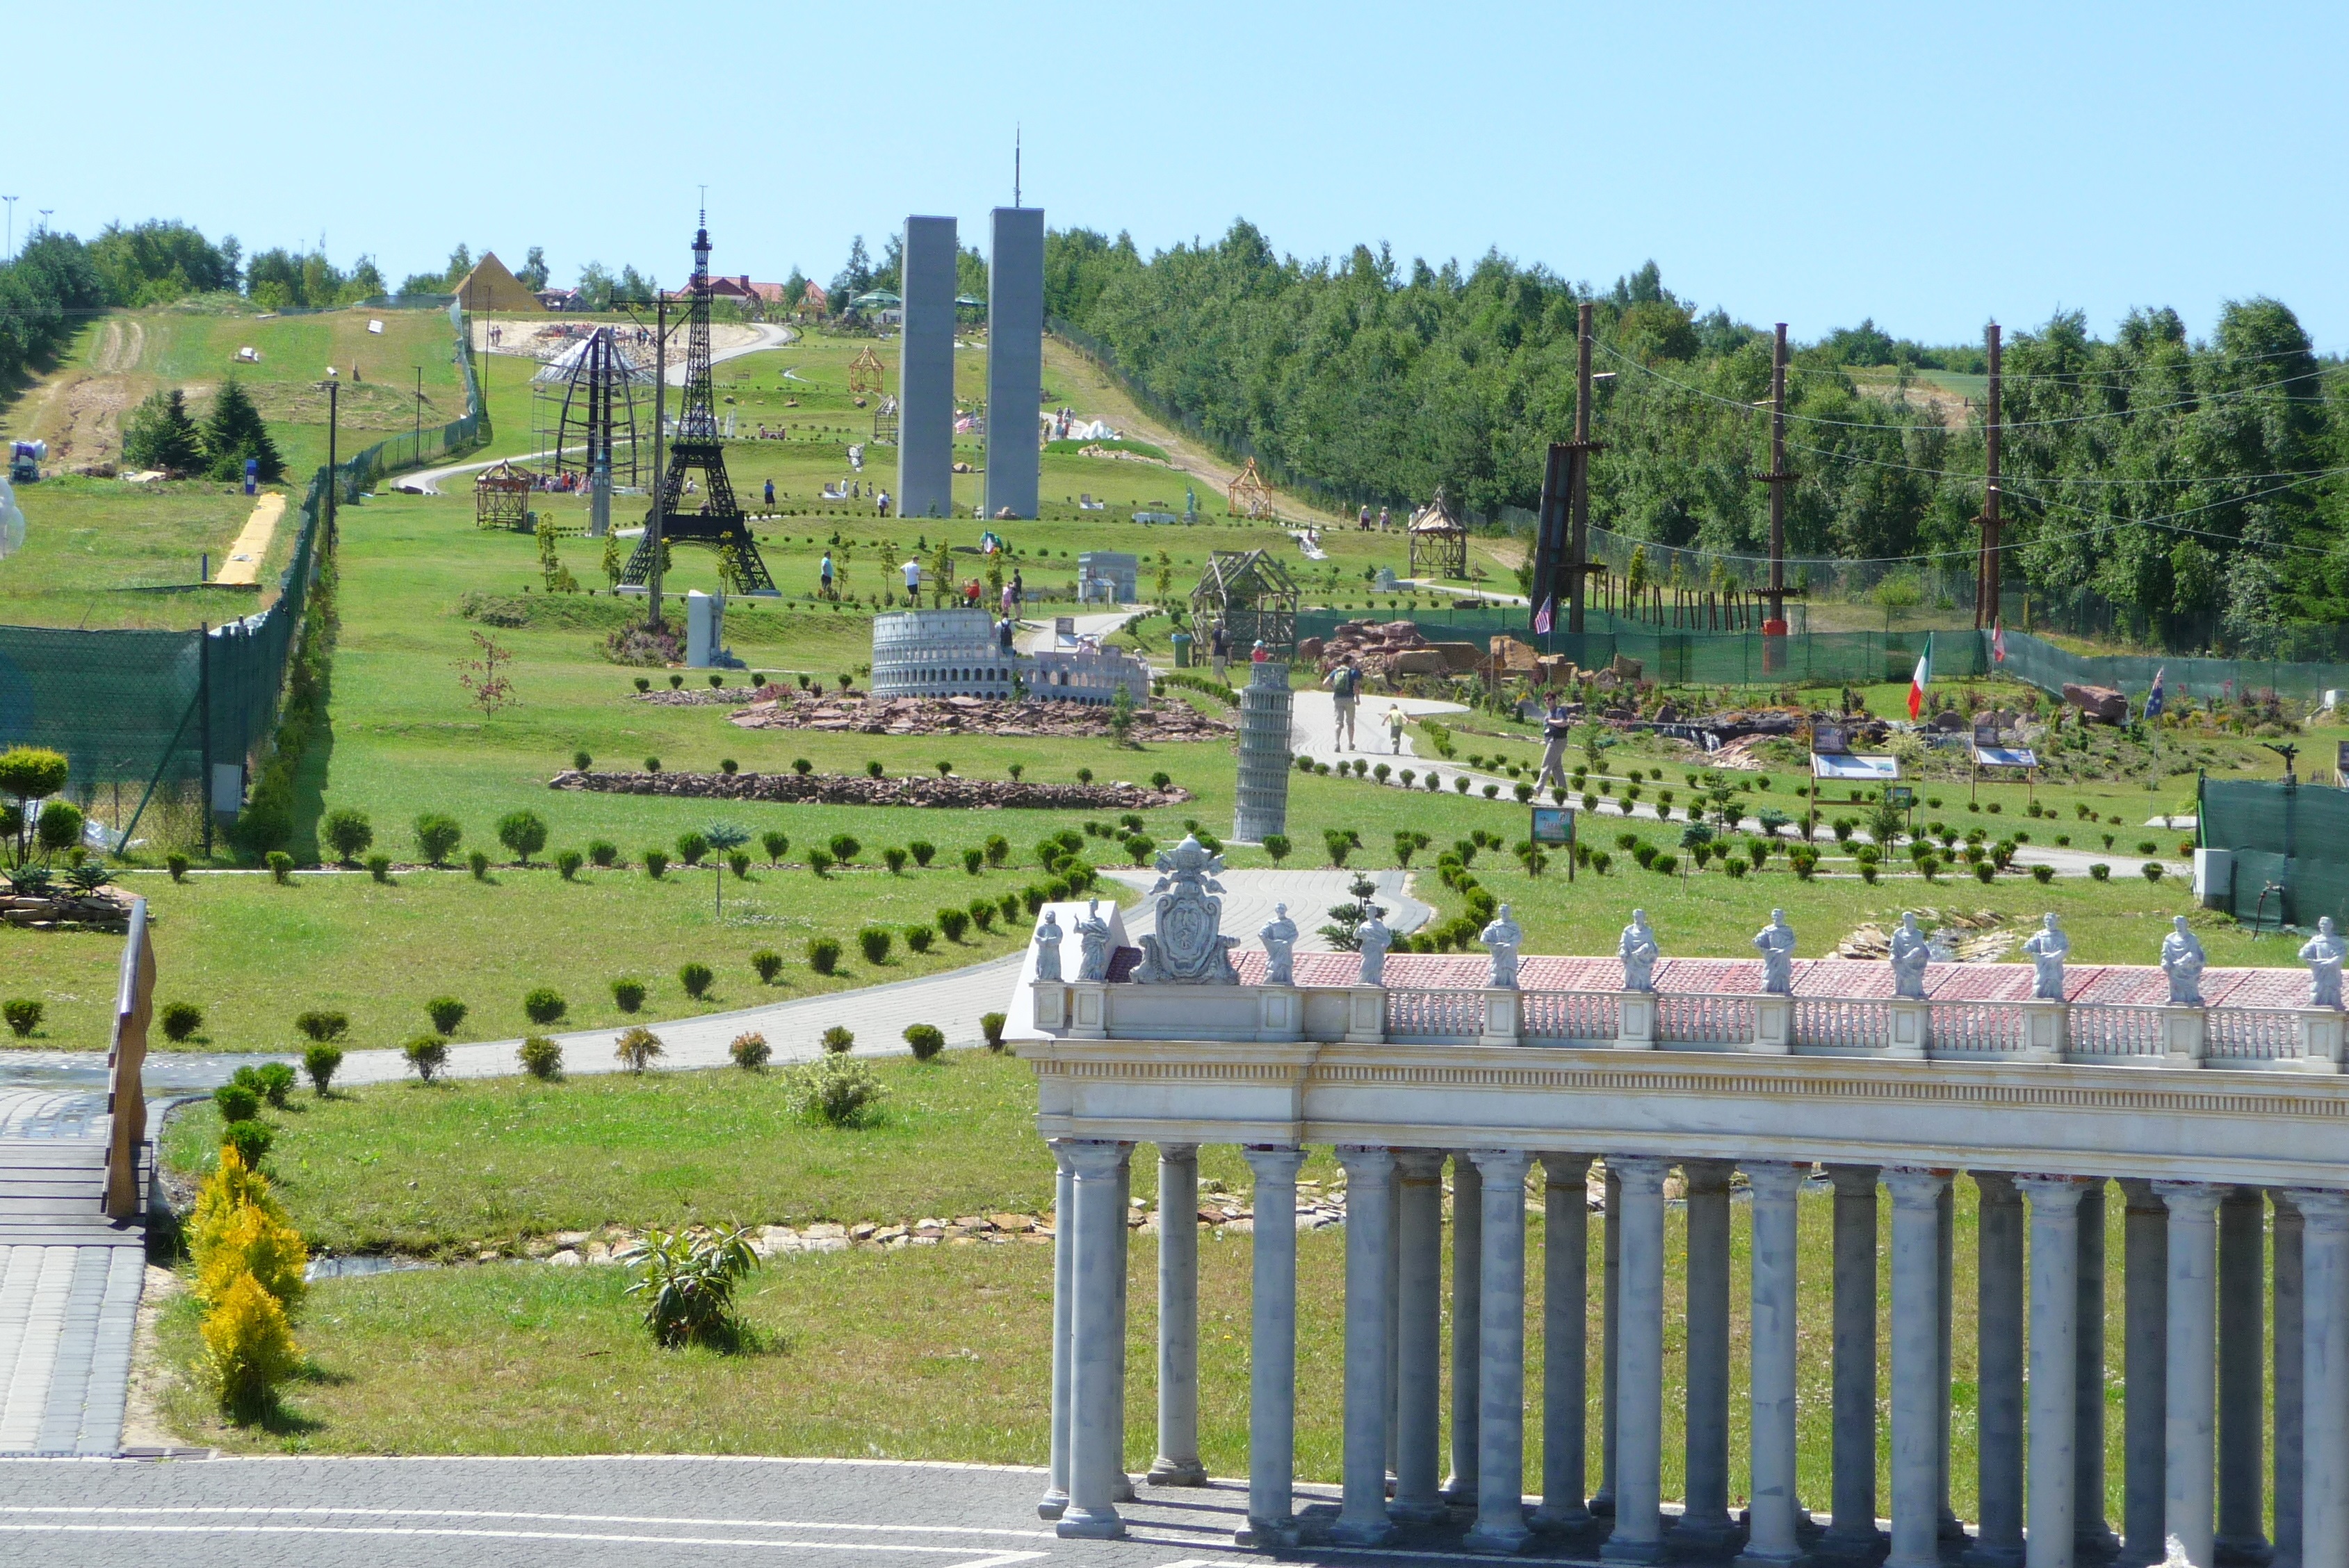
1279	937
1910	956
2182	961
1638	951
1502	939
2047	947
1775	943
1092	939
1374	937
1048	949
2324	954
1188	948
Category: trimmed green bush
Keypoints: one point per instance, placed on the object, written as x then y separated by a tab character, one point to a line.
926	1040
321	1063
446	1013
824	955
544	1005
568	862
695	978
347	832
627	995
923	852
524	833
178	866
692	846
2101	872
540	1057
874	943
601	853
750	1050
437	836
973	861
426	1055
478	862
920	937
180	1020
236	1102
953	923
656	863
379	867
250	1139
2042	875
281	867
768	963
838	1039
895	859
775	844
991	1024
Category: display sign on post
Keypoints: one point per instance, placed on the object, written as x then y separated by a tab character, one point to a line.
1555	825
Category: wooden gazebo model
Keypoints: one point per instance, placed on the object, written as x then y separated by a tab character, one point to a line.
865	372
1438	540
1248	495
1254	597
502	498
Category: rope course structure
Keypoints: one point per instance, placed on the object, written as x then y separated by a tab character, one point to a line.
1247	495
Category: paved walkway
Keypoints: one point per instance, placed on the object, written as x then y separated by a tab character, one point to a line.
625	1510
245	556
69	1278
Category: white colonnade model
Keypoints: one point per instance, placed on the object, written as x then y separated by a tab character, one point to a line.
2214	1098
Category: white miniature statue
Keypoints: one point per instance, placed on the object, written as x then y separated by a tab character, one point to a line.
2324	954
1638	951
2182	961
1502	939
1375	937
2047	947
1279	937
1048	948
1093	943
1910	956
1775	943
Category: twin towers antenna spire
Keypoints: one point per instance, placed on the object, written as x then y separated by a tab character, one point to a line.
1015	163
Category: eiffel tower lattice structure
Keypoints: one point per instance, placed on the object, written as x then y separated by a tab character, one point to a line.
718	522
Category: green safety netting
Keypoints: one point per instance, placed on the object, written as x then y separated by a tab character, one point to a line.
2285	840
146	712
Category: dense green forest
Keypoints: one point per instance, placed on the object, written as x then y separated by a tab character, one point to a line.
2174	490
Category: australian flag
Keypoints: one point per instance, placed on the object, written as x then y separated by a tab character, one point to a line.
2153	698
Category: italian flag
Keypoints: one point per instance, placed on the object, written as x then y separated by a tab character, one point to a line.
1922	678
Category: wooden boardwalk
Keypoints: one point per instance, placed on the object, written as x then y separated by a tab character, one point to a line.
69	1278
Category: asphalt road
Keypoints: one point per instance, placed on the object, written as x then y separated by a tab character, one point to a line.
611	1512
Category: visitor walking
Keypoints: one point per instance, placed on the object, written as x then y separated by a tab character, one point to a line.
1382	520
1557	729
1019	589
1219	650
1362	522
1345	682
1395	729
913	569
883	504
824	571
771	495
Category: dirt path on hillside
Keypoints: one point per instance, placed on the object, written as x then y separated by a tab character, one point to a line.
79	410
1095	393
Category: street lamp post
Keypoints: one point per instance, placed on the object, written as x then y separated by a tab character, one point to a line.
12	225
333	386
418	455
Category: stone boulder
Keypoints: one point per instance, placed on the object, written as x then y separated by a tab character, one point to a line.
2102	704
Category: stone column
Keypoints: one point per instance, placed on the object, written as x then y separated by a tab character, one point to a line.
1369	1176
1272	1350
2093	1539
1121	1485
1097	1436
1501	1381
1467	1323
1916	1365
1704	1525
2242	1379
1639	1534
2191	1387
2055	1365
1852	1534
2291	1412
1947	1522
1999	1374
1178	1463
1566	1343
1770	1540
1610	1291
1394	1324
1419	1361
2145	1339
2324	1387
1064	1297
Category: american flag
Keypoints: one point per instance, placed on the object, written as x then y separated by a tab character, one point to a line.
1542	617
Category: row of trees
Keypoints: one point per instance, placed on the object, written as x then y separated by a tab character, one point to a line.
2178	487
161	433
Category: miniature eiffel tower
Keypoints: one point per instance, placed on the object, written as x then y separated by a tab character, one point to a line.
718	522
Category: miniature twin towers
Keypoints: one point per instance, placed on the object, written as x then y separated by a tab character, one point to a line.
1015	365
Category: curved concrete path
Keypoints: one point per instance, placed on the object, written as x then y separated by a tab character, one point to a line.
428	481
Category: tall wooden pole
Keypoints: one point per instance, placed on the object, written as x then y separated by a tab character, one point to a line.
653	518
1777	481
1578	547
1986	580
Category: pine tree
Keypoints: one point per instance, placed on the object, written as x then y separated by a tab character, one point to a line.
159	435
233	431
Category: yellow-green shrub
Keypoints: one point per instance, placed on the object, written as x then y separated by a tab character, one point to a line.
233	1185
252	1242
248	1344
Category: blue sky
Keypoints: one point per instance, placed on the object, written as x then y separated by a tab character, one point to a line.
1929	167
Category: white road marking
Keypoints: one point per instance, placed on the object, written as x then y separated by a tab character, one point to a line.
317	1511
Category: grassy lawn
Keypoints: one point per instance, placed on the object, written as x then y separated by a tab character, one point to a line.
90	543
944	1353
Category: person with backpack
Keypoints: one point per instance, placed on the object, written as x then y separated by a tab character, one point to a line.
1557	729
1219	649
1345	684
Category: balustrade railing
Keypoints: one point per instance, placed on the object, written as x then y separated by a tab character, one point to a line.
1841	1023
1978	1028
1694	1019
1434	1014
2252	1034
2114	1029
1569	1015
